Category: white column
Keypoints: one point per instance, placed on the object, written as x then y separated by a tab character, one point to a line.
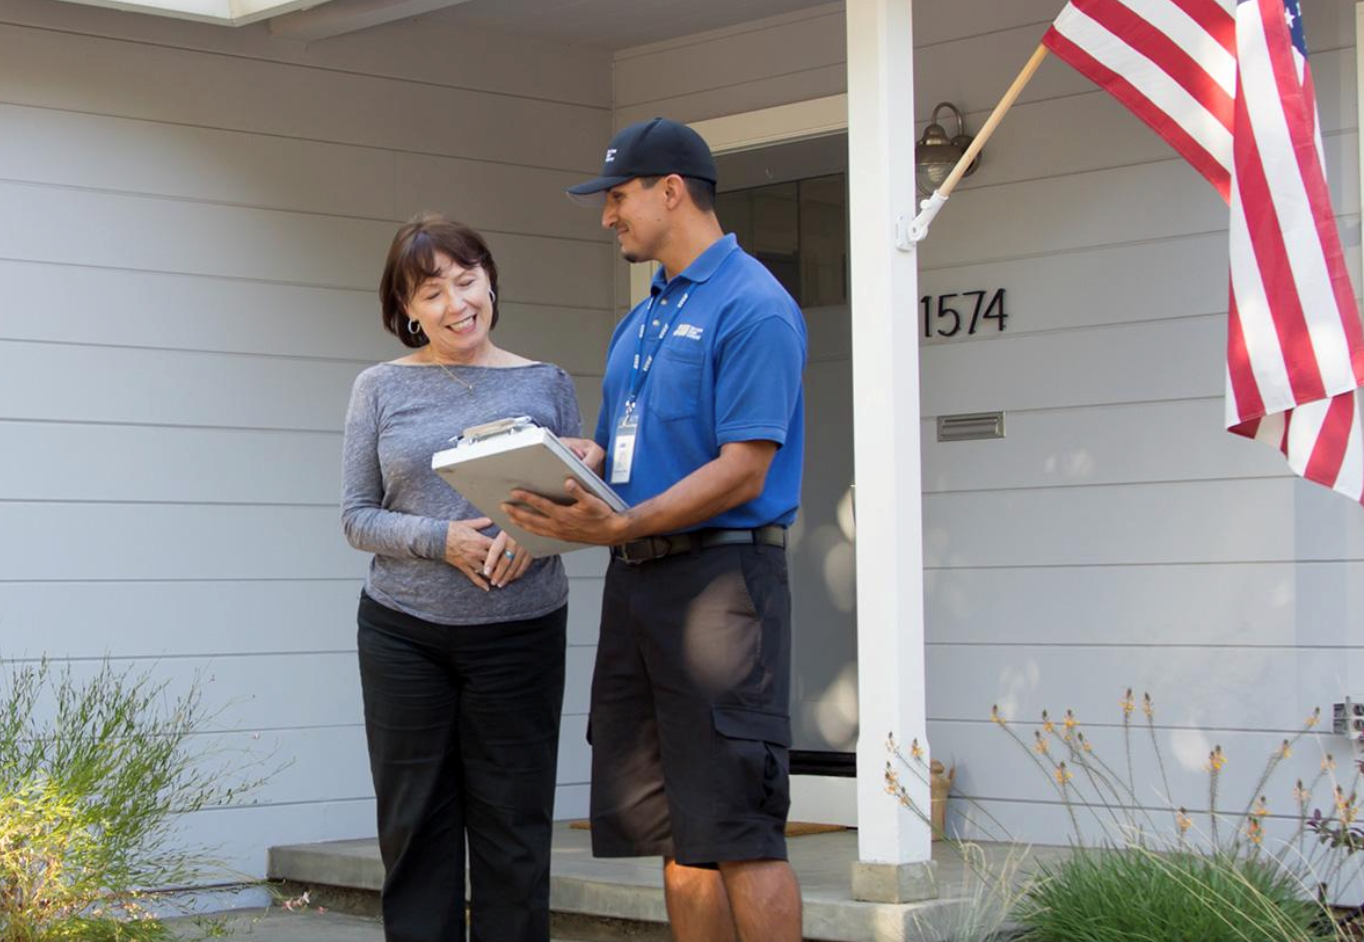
893	843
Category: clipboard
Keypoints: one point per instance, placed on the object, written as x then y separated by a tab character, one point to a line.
489	461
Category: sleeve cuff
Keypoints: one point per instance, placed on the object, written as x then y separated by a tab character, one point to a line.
751	433
435	539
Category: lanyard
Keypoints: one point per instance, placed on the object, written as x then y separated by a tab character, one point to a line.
639	371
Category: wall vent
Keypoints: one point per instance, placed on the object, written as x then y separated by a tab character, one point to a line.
970	426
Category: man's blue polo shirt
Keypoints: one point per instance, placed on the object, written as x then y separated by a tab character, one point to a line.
729	370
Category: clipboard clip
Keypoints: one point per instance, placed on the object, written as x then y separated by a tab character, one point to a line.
478	433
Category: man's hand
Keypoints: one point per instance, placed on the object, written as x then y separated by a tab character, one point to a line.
736	476
587	520
589	451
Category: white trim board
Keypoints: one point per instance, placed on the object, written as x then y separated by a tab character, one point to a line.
782	124
221	12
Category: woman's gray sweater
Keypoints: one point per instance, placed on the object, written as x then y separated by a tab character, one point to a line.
394	506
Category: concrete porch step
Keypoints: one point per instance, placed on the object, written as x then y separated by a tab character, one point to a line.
623	899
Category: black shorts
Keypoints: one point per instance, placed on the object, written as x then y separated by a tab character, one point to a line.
690	724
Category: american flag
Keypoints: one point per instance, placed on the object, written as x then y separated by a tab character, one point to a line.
1226	83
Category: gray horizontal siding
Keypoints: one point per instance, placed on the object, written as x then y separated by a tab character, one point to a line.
195	221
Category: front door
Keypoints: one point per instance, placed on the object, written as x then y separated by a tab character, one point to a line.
787	204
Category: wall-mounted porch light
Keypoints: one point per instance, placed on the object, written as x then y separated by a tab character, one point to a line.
935	154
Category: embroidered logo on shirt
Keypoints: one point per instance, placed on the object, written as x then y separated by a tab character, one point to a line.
688	331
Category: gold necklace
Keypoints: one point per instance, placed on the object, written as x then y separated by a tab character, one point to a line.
459	379
463	382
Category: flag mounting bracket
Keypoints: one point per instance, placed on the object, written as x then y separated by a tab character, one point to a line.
904	240
910	232
914	231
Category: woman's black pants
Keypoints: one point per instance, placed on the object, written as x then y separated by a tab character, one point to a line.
463	730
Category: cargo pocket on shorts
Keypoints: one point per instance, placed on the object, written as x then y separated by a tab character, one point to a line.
760	744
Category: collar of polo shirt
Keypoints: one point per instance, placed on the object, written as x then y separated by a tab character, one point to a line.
703	266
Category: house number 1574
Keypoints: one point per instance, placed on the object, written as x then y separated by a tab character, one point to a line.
946	316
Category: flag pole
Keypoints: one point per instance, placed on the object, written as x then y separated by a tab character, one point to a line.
918	229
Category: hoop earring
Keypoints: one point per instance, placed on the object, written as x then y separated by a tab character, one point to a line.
413	327
492	296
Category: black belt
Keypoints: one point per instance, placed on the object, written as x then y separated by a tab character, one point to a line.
657	547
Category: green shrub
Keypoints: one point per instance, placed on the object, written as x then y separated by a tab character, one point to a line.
1134	894
93	778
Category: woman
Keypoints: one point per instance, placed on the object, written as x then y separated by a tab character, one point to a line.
461	633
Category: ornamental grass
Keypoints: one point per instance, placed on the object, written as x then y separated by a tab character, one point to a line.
94	777
1134	894
1140	871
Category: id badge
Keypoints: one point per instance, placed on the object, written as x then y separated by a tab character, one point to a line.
623	449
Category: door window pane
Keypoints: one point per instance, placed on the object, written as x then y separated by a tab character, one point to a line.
799	231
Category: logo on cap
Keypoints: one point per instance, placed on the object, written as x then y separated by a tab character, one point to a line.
653	148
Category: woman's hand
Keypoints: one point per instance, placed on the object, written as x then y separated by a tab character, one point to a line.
466	549
507	561
589	451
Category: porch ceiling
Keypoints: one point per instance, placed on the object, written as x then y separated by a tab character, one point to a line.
613	24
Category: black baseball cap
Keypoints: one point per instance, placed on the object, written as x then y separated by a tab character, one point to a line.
653	148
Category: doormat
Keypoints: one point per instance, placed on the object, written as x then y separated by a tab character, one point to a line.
793	828
803	828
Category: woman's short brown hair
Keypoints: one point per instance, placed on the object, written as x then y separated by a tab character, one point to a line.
412	259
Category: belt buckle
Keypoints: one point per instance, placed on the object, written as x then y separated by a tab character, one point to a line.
637	551
649	548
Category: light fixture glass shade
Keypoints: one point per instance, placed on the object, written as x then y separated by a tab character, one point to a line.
935	154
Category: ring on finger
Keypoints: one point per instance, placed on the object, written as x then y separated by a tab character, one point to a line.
509	554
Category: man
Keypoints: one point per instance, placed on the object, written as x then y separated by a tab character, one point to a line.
701	433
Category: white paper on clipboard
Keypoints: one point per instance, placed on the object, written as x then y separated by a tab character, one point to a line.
492	460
